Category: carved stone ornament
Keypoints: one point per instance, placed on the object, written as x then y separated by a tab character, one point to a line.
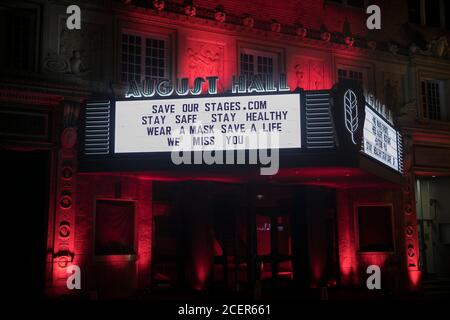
301	31
66	201
71	113
411	252
56	64
409	231
372	44
159	4
309	73
408	209
76	64
349	41
393	48
69	138
63	258
81	50
205	59
190	10
64	229
67	173
220	14
441	47
413	48
248	21
63	261
325	36
275	26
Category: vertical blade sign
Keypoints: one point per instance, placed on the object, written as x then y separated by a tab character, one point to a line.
351	113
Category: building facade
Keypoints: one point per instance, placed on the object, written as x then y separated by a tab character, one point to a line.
136	227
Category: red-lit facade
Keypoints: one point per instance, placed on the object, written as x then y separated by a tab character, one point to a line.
151	230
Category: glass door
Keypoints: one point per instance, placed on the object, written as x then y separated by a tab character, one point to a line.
274	249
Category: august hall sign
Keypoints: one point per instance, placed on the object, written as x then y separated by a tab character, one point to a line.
180	87
178	117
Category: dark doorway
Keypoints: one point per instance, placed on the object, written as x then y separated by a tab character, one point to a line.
24	207
273	240
199	236
255	239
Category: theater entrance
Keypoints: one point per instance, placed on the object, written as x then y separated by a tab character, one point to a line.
224	237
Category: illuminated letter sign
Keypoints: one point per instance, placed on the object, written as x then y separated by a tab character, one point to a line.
380	139
241	84
157	125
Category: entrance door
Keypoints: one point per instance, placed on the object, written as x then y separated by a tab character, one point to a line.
273	236
209	235
197	235
167	260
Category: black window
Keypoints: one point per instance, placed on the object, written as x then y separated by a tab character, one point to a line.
252	64
375	229
258	63
433	13
167	249
247	64
447	15
350	75
414	11
356	3
431	99
336	1
143	58
351	3
24	125
18	37
114	227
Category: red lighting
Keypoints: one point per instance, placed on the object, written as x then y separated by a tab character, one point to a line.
414	279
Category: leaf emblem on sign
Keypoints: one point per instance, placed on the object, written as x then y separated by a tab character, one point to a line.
351	113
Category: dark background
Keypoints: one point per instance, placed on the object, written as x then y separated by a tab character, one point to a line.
24	207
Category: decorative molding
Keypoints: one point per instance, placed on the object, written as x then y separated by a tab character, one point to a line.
64	229
65	201
29	98
428	137
205	59
81	51
235	23
69	138
409	216
309	73
71	114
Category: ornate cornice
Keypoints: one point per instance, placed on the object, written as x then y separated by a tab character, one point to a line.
428	135
288	34
29	98
35	92
234	25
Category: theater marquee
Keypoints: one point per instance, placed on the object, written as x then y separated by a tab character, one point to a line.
213	123
380	139
332	128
